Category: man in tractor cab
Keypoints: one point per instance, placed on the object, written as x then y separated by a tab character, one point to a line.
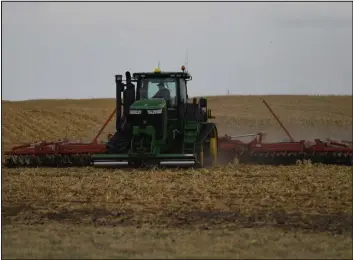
163	92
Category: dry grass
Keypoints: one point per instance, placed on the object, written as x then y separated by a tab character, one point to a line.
239	211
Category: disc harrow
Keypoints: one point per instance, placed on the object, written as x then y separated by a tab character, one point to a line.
78	154
259	152
53	154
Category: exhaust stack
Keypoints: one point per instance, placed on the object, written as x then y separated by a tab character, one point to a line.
119	89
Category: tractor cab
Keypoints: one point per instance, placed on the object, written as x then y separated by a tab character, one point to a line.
145	88
170	86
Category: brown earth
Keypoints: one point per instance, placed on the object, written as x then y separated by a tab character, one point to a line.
302	211
305	117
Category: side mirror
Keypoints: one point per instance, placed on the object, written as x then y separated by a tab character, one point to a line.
203	102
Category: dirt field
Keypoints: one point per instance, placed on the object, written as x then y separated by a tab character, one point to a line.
304	116
234	211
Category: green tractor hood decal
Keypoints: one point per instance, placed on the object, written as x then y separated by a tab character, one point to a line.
155	103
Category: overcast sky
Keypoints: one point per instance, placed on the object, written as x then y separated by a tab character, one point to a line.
73	50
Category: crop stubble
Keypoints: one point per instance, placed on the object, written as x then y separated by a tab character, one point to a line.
300	196
306	197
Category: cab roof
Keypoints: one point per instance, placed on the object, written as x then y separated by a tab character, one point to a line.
162	74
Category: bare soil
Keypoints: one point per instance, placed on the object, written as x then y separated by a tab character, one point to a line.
232	211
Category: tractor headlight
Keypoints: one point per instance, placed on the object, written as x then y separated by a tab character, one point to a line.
135	112
153	112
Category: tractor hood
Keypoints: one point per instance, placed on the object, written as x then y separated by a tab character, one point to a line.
155	103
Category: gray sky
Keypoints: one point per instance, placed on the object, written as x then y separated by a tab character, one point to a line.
73	50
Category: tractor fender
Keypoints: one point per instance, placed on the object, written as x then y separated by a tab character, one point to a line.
206	131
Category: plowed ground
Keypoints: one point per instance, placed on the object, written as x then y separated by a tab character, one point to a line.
302	211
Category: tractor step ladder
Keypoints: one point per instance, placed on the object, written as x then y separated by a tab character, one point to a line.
191	131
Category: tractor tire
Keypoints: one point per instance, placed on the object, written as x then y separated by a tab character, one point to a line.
207	150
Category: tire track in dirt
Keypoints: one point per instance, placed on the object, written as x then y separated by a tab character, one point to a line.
39	123
29	127
10	133
26	214
19	126
21	123
82	124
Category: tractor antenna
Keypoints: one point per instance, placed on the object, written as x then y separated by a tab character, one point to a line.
187	61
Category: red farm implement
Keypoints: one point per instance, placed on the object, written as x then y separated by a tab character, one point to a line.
62	153
259	152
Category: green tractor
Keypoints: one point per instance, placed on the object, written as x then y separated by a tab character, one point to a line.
157	126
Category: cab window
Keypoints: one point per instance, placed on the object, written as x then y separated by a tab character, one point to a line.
158	87
183	94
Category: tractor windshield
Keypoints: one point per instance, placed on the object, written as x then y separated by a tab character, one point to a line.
159	88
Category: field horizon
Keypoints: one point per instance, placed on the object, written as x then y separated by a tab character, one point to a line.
196	96
231	211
